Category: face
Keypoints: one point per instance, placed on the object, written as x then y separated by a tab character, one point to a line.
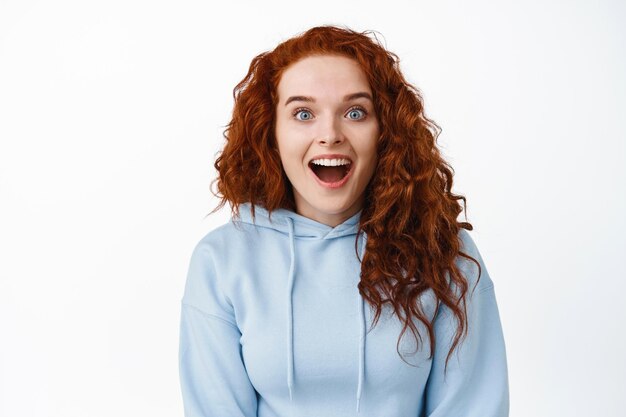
326	131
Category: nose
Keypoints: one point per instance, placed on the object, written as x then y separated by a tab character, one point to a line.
330	133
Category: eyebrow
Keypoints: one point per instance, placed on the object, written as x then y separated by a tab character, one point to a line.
349	97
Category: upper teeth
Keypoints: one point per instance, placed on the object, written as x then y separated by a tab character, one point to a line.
330	162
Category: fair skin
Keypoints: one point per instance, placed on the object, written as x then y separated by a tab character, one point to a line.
325	114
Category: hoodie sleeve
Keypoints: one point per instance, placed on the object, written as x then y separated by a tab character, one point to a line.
476	381
213	378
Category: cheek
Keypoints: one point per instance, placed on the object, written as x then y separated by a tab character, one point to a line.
368	155
290	147
289	152
367	146
284	144
367	151
290	155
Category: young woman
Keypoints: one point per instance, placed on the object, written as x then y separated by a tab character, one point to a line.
339	198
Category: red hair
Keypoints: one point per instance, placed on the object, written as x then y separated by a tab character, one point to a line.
409	213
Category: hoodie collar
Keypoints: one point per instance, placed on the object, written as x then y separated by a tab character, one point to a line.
303	227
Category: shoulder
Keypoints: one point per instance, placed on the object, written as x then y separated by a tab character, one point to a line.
227	250
214	260
228	237
216	246
474	270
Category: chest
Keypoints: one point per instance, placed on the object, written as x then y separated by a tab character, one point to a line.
326	325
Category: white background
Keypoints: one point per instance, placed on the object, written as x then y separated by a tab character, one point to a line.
111	113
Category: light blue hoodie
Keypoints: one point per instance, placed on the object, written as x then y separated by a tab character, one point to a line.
272	325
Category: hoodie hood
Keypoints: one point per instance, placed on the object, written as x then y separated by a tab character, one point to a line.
296	226
303	227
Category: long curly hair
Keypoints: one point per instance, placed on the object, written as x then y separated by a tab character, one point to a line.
409	212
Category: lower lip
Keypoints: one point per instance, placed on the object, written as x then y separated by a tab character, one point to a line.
337	184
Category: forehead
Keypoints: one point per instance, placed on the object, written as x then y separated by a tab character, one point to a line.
323	75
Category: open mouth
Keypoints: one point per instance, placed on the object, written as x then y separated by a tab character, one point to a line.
330	173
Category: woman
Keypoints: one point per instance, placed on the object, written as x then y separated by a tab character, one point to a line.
339	198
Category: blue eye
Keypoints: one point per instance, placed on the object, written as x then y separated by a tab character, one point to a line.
306	114
356	112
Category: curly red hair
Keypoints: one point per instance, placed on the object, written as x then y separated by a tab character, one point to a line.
409	213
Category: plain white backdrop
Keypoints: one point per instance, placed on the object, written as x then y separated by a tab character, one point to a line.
111	113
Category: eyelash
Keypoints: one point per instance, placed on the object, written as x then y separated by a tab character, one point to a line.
299	109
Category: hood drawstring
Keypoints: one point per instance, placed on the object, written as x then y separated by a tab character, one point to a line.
360	317
292	274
